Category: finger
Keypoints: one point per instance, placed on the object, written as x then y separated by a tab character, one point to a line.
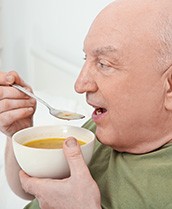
74	157
8	104
8	118
12	93
13	77
29	184
35	186
6	78
10	78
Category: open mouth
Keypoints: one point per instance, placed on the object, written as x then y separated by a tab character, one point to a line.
99	110
99	114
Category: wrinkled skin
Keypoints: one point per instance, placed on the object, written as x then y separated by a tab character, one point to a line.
123	74
127	71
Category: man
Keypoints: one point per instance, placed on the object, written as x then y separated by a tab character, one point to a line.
127	78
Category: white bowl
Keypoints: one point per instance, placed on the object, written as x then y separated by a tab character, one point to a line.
49	163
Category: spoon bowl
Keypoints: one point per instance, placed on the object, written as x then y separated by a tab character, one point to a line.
61	114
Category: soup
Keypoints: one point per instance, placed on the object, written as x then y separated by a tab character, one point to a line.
48	143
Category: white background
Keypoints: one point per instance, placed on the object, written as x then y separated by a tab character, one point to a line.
59	26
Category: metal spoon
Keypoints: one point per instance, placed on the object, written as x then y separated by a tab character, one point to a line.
65	115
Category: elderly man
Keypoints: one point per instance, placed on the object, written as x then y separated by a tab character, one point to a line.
127	78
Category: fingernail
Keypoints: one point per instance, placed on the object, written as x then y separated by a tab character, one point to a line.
10	78
71	142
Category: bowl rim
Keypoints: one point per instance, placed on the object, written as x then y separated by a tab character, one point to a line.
52	126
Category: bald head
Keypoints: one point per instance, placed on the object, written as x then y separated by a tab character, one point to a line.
139	22
139	11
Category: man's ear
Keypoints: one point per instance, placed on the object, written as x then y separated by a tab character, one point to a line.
168	86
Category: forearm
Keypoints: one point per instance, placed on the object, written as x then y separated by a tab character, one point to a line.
12	172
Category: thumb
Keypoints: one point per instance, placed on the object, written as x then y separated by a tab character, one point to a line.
74	157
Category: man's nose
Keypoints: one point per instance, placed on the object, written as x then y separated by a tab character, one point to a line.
86	80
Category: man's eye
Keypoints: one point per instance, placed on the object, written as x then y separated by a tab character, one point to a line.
103	65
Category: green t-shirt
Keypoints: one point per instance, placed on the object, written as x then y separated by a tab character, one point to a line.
130	181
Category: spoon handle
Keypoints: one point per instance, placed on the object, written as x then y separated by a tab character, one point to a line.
31	95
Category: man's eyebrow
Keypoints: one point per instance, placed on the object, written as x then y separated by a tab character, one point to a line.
105	50
110	51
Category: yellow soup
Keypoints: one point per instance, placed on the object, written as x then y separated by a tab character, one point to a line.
48	143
